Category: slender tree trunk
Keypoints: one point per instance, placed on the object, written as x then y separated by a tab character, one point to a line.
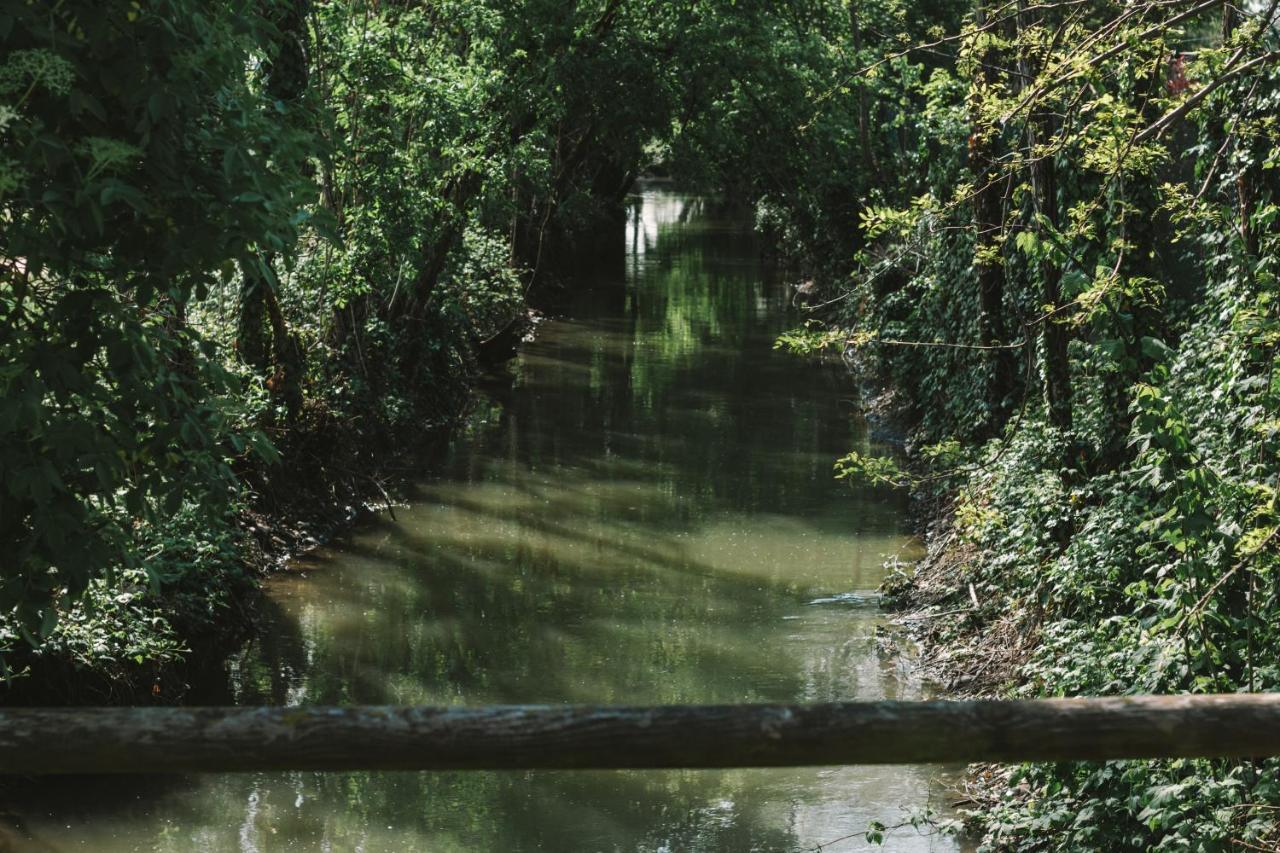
251	328
1055	335
1044	182
287	356
264	338
1044	220
1245	181
988	218
1139	231
864	132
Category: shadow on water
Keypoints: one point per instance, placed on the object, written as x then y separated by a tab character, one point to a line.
639	510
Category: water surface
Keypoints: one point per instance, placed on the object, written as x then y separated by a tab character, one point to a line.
640	510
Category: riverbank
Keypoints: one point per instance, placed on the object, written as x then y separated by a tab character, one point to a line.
1148	572
147	634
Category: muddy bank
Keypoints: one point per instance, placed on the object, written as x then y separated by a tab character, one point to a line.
968	645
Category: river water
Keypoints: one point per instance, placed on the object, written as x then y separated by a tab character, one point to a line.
639	510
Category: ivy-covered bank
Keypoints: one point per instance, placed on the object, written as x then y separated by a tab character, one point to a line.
1154	577
1070	287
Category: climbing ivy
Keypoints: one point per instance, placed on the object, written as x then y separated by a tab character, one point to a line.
1069	275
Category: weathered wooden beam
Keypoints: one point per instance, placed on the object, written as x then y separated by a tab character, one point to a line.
182	740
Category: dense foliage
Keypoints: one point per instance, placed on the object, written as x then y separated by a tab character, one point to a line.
1069	275
131	173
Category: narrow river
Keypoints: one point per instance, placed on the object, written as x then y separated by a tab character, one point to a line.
639	510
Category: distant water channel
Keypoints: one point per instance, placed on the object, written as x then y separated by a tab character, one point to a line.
640	510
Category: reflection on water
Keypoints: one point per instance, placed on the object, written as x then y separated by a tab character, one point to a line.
640	510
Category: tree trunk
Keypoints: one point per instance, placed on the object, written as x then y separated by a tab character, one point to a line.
864	132
1055	335
1245	181
265	340
988	220
287	356
251	326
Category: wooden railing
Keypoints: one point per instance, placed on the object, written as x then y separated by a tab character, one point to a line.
525	737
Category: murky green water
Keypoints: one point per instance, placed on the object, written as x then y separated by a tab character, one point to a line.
640	511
